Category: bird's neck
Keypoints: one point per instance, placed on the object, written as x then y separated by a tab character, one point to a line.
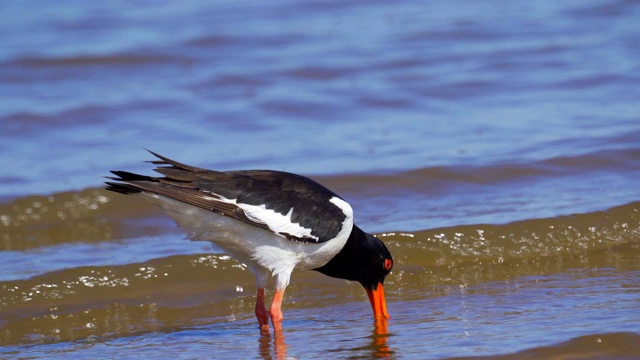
345	264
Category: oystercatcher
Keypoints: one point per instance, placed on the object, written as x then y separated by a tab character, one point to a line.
272	221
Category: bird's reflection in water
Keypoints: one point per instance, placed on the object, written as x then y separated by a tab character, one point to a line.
379	337
274	347
279	346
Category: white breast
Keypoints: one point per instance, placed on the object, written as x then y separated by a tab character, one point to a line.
258	248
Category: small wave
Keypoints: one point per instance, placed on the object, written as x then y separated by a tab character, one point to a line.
138	297
589	233
89	60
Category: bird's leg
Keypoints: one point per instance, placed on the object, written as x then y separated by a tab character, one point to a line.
276	311
261	312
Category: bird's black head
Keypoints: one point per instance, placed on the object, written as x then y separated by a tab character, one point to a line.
365	259
376	260
380	265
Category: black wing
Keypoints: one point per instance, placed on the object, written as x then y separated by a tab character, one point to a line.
304	201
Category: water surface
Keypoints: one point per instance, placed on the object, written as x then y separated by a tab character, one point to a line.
493	147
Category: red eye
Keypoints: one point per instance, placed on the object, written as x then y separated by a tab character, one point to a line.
387	264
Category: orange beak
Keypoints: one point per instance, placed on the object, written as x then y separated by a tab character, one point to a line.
378	304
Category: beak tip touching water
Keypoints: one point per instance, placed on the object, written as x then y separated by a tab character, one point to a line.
378	303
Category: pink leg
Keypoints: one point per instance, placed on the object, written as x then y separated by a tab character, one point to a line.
276	311
261	312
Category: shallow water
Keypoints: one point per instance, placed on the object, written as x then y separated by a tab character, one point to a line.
493	147
458	291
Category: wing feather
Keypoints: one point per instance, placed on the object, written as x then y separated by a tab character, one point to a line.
289	205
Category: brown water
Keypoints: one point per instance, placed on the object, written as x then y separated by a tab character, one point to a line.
493	147
96	274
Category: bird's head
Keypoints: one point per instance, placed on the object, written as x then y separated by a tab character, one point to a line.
365	259
379	264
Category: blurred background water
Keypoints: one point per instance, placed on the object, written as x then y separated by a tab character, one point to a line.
494	146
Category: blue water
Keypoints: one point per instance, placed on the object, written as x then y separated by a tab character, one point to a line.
315	87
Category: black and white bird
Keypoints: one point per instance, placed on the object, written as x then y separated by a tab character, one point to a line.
272	221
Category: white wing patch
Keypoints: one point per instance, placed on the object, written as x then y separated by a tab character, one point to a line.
275	221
